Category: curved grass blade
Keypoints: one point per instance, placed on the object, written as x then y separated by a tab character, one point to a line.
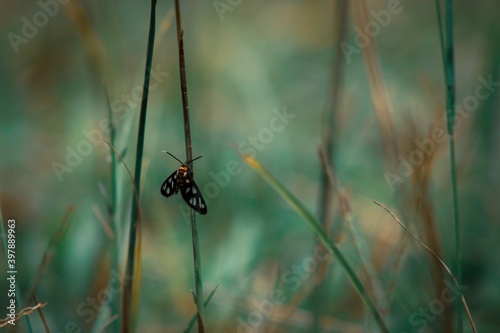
321	233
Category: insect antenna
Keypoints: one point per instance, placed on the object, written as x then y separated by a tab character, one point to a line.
164	151
194	159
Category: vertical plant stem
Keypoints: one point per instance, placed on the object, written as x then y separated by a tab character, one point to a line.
440	30
134	216
449	72
182	71
450	107
189	157
115	256
447	313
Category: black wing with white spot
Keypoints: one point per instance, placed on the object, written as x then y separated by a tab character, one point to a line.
169	186
192	195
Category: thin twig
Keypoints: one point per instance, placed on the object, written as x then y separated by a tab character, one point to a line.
24	312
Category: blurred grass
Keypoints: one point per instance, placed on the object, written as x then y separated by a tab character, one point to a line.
261	56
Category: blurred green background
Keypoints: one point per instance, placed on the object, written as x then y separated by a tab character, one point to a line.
248	61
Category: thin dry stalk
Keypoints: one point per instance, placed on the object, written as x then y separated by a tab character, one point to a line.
441	262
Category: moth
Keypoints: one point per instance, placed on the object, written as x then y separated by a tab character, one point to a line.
182	180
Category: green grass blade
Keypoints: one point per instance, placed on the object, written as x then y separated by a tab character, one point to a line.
127	315
321	233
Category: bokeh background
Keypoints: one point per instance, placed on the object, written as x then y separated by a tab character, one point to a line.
248	61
